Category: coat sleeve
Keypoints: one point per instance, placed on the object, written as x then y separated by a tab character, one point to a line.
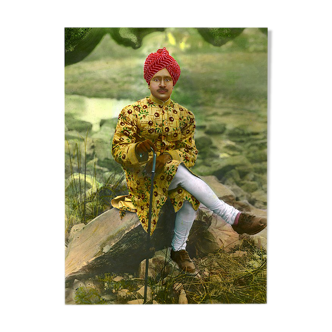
125	138
185	149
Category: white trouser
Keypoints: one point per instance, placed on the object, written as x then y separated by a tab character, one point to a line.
186	215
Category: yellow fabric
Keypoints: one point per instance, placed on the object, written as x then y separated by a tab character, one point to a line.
171	128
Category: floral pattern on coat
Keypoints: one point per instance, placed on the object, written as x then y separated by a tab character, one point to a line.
171	128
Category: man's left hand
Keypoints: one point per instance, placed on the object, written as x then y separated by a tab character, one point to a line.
160	163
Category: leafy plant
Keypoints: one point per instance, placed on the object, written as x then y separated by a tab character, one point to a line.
88	296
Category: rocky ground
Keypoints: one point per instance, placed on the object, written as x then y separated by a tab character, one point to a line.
105	259
221	278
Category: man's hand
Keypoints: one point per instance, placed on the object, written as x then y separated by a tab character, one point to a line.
143	148
160	163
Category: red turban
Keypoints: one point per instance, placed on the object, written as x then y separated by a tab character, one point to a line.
158	61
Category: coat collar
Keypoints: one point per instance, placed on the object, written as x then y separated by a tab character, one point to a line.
160	102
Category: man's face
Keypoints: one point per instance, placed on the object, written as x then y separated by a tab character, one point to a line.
161	85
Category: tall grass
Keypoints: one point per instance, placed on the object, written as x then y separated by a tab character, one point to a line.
223	278
86	197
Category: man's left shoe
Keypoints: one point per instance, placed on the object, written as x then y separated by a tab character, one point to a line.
249	224
183	260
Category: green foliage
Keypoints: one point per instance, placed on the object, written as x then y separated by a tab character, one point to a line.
87	296
80	42
110	284
219	36
73	36
131	37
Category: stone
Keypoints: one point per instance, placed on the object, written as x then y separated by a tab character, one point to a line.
122	294
260	168
118	278
207	150
224	165
140	293
260	239
183	297
237	133
260	195
161	261
111	244
238	253
203	142
233	175
215	128
249	186
233	148
243	170
259	199
106	248
259	156
238	192
108	297
138	301
77	284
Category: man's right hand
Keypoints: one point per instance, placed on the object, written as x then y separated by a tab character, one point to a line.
143	148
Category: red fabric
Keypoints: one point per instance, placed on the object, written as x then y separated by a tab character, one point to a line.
158	61
236	219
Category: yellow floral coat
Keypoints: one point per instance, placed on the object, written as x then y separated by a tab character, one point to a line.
171	128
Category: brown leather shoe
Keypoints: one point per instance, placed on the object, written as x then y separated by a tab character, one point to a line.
182	259
249	224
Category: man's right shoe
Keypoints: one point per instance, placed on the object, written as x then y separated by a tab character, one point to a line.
249	224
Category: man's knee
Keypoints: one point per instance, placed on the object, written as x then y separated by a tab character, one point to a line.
187	211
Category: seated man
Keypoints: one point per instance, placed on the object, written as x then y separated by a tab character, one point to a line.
158	122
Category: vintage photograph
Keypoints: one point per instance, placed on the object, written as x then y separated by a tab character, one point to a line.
166	162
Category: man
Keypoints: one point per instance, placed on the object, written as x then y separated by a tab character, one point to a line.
159	123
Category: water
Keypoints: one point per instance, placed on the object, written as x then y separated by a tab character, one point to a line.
94	109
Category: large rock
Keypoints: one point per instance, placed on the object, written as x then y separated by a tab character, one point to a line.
111	244
210	233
